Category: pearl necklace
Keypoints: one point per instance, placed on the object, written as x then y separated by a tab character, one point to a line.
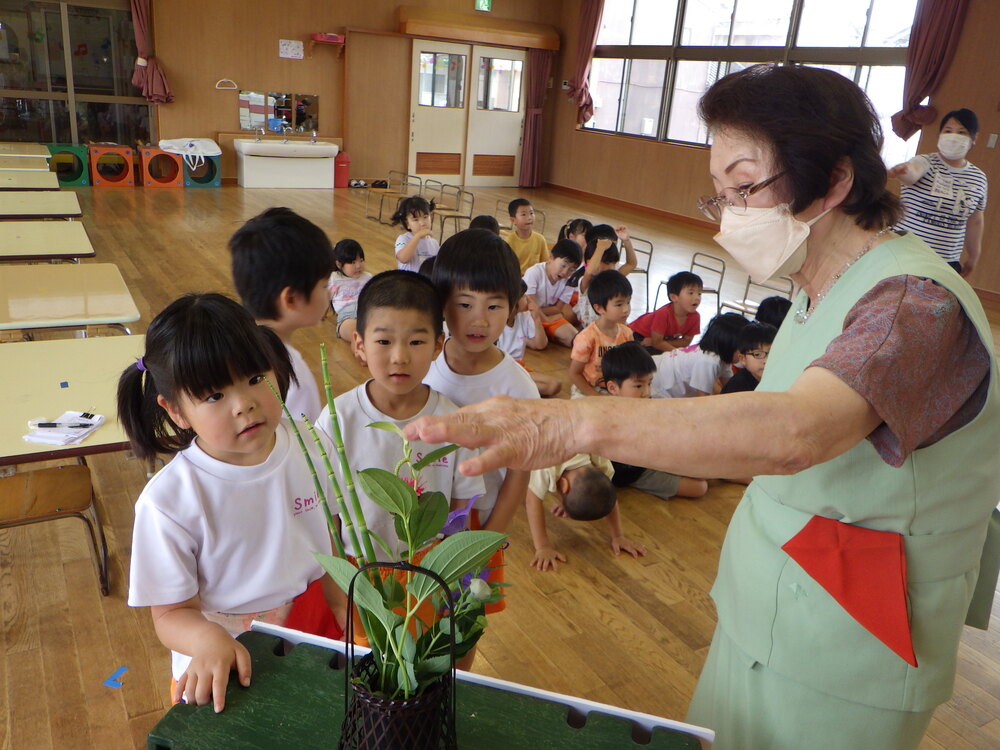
803	313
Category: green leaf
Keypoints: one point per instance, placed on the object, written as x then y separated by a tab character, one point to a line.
435	666
388	491
365	595
393	592
408	646
432	512
389	552
461	553
388	427
433	456
407	677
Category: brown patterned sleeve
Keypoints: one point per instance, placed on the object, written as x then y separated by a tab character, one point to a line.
911	351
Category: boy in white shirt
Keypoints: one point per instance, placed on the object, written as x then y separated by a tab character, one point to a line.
548	286
398	334
524	330
281	265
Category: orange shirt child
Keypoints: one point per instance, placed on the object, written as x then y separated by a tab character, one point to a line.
589	347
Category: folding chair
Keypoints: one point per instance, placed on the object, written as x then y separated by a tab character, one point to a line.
434	190
500	213
54	493
401	185
712	271
644	256
465	202
753	293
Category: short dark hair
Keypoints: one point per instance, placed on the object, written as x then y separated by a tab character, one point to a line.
477	260
400	290
574	226
427	267
600	232
611	253
607	285
628	360
198	344
810	119
485	221
772	310
752	336
275	250
347	251
682	279
965	116
516	204
569	250
413	205
591	496
721	334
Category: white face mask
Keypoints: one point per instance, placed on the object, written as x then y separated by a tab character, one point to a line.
767	242
954	145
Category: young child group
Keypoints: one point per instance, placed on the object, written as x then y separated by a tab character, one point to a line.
224	533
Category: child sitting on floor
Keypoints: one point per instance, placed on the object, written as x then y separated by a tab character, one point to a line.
576	230
772	310
417	243
628	371
611	295
485	221
752	346
674	325
600	254
547	284
346	282
701	369
580	489
528	245
281	265
524	330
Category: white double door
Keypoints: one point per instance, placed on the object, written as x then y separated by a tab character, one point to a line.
466	113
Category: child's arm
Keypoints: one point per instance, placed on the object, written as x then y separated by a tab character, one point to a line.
590	270
183	628
664	344
620	542
631	260
546	556
577	379
515	484
406	252
540	340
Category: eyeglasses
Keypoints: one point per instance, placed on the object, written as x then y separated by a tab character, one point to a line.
735	198
757	354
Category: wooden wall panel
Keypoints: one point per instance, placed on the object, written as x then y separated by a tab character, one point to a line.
492	165
432	163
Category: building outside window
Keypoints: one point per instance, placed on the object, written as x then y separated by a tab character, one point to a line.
655	58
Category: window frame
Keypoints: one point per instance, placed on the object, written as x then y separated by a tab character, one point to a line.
789	54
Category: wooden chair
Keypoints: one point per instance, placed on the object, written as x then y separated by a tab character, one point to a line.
464	205
401	185
53	493
644	256
753	293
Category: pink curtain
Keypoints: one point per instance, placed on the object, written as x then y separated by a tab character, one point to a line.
590	24
539	69
147	75
937	25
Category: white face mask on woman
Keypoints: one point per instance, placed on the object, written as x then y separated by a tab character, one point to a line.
767	242
954	146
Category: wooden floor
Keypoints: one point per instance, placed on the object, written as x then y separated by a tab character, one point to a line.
630	633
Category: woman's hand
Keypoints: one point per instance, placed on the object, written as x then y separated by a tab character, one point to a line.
516	433
208	674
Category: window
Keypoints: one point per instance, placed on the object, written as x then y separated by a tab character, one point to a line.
66	73
442	80
499	84
655	58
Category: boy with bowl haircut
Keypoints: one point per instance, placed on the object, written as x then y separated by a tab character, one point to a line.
610	293
281	264
528	245
628	372
674	325
398	335
753	343
548	284
580	489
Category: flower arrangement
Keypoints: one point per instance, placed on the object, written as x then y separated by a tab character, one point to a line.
406	618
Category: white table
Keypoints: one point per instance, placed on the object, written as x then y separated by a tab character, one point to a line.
44	240
39	204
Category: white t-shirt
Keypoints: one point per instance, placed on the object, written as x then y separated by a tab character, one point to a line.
687	372
427	248
544	291
302	397
513	339
369	447
344	290
585	311
508	378
240	537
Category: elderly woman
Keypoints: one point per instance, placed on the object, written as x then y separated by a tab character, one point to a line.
849	565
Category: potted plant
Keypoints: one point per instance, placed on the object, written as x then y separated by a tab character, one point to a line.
419	614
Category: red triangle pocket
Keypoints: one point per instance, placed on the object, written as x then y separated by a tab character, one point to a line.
865	571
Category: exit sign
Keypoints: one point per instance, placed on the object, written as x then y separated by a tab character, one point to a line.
486	5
